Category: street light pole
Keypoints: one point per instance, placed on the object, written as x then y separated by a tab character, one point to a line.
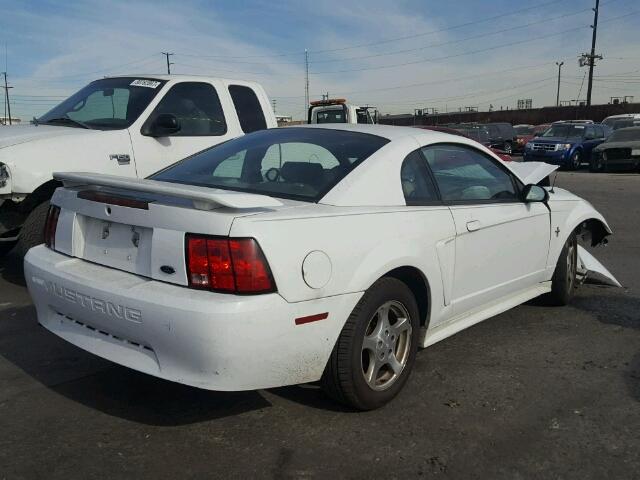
559	64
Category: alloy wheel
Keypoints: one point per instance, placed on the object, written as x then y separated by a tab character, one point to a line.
386	345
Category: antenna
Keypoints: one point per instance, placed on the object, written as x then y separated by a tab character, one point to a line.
553	184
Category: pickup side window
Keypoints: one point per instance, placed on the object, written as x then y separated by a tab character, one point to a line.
248	107
197	107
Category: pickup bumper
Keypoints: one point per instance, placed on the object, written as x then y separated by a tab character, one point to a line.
204	339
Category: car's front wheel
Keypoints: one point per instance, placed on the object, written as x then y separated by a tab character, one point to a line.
575	161
563	282
376	350
508	148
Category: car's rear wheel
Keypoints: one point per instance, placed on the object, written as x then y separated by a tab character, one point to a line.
376	350
32	231
563	282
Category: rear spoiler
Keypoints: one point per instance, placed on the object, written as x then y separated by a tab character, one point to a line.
203	198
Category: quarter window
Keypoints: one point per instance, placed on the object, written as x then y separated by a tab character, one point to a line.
465	175
417	186
248	107
196	106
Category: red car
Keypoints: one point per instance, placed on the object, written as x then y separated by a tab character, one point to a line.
503	155
526	133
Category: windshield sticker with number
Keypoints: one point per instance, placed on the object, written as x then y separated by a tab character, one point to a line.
145	83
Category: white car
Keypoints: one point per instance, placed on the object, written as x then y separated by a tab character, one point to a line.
309	253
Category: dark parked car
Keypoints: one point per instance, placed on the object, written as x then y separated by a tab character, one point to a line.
620	150
463	133
566	144
502	136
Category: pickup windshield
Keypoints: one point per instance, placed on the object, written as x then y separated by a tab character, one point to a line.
107	104
564	131
297	163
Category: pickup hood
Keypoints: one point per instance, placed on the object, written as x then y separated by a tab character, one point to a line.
606	145
15	135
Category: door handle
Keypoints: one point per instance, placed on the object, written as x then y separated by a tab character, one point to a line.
473	225
121	158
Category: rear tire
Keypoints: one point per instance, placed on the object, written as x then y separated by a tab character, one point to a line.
373	357
32	231
563	282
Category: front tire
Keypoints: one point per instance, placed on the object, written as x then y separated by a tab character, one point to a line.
576	160
32	231
508	148
376	350
563	282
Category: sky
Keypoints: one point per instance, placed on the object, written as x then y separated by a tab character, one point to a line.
396	55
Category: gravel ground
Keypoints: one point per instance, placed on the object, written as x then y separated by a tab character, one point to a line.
535	392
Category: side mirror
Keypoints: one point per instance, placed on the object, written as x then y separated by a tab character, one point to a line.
164	125
534	193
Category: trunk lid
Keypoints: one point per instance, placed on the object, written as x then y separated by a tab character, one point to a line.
138	226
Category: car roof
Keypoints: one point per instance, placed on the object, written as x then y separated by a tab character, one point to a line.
390	132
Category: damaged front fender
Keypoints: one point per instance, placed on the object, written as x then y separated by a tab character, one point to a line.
590	270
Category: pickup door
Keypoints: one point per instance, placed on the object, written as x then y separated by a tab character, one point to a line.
209	113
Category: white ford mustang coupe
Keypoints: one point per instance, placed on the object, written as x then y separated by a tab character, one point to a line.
292	255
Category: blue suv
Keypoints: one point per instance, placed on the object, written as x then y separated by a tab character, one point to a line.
566	144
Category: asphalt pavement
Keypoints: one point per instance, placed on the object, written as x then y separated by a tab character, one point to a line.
536	392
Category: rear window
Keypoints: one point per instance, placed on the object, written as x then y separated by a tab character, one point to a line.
248	107
298	163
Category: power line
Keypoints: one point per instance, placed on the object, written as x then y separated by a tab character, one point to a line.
167	54
482	50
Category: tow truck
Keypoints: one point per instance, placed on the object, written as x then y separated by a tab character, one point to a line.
337	110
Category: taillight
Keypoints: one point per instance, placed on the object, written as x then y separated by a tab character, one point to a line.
231	265
50	226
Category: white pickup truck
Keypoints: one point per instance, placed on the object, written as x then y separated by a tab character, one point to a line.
337	110
129	125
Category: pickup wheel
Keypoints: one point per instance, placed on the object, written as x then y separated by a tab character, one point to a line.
376	350
563	282
32	231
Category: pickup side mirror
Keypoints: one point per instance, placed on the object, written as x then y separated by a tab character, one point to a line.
534	193
163	125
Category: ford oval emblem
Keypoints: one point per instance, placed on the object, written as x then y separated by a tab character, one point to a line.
168	269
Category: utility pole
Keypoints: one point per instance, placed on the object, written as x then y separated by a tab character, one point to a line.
592	57
167	54
306	81
559	64
7	104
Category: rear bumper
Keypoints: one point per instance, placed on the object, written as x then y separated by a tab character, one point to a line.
204	339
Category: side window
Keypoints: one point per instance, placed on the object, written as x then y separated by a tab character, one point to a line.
196	106
248	107
416	182
599	131
464	174
589	133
